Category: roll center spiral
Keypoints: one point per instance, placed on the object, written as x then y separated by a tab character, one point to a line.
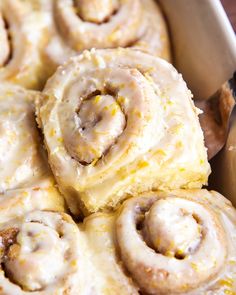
101	122
34	257
160	237
173	231
104	24
96	11
95	112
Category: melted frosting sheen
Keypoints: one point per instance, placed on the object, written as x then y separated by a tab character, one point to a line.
41	196
21	158
183	242
22	25
43	253
178	243
80	24
117	122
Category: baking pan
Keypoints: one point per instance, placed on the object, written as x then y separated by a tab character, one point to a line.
204	48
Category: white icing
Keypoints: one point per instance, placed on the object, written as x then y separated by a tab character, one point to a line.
118	245
48	257
22	39
78	25
21	158
141	132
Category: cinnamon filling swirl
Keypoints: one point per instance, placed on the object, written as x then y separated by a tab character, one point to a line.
95	11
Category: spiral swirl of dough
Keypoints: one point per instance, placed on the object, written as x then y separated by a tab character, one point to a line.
182	242
43	253
118	121
21	156
22	24
82	24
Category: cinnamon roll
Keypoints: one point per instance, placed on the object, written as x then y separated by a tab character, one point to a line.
22	160
43	252
22	26
118	122
183	242
80	24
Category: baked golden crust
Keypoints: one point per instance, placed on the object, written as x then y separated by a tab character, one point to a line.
119	122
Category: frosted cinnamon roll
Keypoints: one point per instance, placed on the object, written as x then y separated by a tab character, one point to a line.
82	24
22	24
118	122
182	242
22	160
43	253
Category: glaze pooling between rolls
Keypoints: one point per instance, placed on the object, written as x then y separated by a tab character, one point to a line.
119	122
